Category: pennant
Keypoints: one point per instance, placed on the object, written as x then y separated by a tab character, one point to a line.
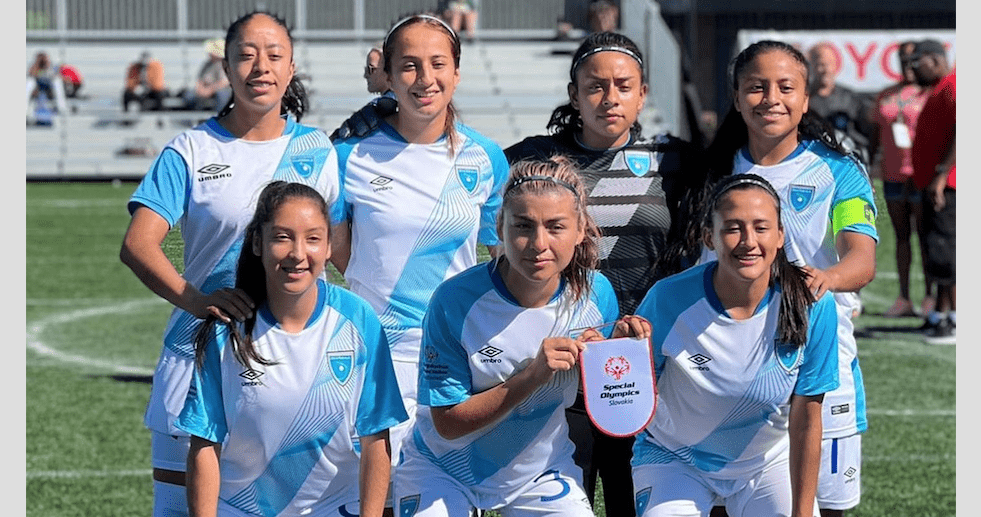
618	385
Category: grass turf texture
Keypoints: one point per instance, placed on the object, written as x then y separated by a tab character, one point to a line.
94	331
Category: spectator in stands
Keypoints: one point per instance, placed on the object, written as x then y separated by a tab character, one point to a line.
145	84
71	79
374	74
604	16
846	110
935	173
462	13
43	86
896	110
211	90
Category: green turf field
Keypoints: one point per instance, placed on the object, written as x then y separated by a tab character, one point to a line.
93	336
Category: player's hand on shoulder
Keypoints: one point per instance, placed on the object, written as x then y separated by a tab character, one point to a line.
367	119
225	304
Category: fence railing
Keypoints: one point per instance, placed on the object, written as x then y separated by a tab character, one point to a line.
309	19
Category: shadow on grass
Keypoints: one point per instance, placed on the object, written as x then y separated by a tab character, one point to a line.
142	379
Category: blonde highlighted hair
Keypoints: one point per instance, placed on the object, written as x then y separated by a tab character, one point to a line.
559	174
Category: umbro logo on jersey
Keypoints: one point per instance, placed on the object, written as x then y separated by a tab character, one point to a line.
700	361
489	352
840	409
850	472
214	171
251	377
381	183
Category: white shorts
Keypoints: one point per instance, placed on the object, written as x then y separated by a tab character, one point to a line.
678	490
840	478
407	375
169	453
424	490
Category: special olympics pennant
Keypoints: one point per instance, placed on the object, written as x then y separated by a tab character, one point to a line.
618	384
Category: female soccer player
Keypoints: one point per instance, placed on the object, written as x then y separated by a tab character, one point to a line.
639	191
829	214
207	179
279	400
498	365
743	354
418	193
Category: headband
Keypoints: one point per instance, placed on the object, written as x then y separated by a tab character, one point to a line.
596	50
547	179
407	19
746	179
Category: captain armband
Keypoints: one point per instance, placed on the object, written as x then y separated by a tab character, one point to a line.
852	211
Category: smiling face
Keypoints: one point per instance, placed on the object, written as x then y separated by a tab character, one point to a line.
540	232
259	65
422	73
609	93
771	95
294	248
745	235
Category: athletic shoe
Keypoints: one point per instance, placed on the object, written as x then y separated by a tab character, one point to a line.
901	309
945	333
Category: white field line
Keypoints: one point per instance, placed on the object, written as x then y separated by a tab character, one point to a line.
79	474
36	329
911	412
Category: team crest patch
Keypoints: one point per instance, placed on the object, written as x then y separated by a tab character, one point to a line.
468	178
801	196
641	499
303	165
341	365
639	162
408	506
788	355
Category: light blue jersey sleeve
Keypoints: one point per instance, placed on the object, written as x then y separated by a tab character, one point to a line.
444	368
380	406
500	170
340	211
204	412
819	370
606	301
667	299
165	189
853	208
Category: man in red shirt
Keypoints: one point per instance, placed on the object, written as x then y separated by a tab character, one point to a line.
935	173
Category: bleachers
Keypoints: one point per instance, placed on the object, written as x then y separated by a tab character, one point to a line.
507	92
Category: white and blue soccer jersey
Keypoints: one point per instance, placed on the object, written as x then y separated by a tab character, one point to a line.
476	336
724	385
823	193
208	181
289	431
417	213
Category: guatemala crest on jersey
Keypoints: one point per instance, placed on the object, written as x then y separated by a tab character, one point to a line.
303	165
341	365
409	505
788	355
468	178
801	196
639	162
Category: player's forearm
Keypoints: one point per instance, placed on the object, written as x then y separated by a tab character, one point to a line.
142	253
805	452
376	458
856	265
485	407
203	478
